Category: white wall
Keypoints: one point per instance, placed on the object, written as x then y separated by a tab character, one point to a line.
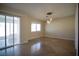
63	28
25	24
26	29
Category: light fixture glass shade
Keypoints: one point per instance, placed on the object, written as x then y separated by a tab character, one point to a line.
48	21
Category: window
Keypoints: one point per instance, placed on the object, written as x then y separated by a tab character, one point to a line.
38	27
35	27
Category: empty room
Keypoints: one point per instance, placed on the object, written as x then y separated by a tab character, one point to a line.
38	29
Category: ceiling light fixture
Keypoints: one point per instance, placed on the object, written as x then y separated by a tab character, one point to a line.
49	17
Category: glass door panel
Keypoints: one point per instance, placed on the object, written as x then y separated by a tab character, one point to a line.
9	31
16	30
2	31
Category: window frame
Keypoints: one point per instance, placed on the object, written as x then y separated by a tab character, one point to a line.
36	30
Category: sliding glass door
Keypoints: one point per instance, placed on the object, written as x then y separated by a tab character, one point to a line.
9	31
2	31
16	30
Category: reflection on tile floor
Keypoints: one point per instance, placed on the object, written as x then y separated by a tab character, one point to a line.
42	47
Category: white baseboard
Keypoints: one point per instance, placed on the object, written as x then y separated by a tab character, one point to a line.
24	42
60	37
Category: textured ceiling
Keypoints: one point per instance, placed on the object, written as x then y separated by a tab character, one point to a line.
39	11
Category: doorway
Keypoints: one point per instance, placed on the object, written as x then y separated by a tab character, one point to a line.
9	31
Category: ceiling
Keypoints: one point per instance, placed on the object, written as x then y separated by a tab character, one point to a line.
39	11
